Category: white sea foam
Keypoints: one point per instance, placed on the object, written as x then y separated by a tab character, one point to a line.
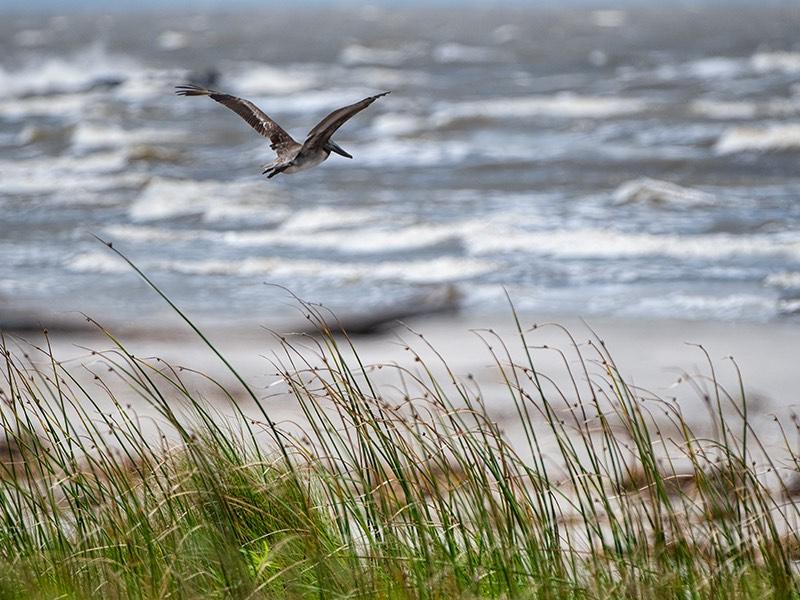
97	262
654	191
714	67
461	53
144	233
784	279
356	54
488	237
608	243
91	136
774	107
170	39
719	109
166	198
482	238
700	306
385	77
60	85
323	217
759	139
443	269
315	234
398	124
560	105
69	177
259	78
366	241
725	67
428	271
213	200
297	230
70	189
388	152
67	106
148	84
97	162
785	62
789	305
315	101
65	74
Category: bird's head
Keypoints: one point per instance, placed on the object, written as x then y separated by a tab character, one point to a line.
332	146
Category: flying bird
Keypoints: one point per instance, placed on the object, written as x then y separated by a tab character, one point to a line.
291	155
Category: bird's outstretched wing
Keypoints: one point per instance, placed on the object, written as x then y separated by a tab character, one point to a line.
323	130
281	141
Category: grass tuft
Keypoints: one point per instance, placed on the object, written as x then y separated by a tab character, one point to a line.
392	482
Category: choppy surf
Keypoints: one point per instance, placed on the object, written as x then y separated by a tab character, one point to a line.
602	177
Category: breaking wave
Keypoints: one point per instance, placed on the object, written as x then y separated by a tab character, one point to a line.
70	178
366	241
656	192
323	217
481	238
393	124
212	200
784	62
405	152
85	69
69	106
313	101
435	270
384	77
356	54
460	53
759	139
260	78
607	243
91	136
701	307
789	280
560	105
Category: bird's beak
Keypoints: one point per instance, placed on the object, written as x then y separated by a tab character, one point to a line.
334	147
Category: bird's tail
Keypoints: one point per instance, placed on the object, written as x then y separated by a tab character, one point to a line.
275	171
190	89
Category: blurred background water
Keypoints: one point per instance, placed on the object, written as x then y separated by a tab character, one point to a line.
638	161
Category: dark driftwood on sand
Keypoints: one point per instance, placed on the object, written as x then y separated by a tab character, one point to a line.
27	321
437	300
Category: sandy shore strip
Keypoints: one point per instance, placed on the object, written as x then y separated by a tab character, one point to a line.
651	355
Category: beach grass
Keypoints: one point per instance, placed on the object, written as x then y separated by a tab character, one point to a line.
408	490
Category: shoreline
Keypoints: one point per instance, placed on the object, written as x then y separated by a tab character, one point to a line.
650	354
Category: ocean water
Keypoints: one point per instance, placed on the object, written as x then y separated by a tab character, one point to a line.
640	163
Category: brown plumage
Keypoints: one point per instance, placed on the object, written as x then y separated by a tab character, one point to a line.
323	130
291	155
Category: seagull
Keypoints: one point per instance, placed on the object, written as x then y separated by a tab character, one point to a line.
291	155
